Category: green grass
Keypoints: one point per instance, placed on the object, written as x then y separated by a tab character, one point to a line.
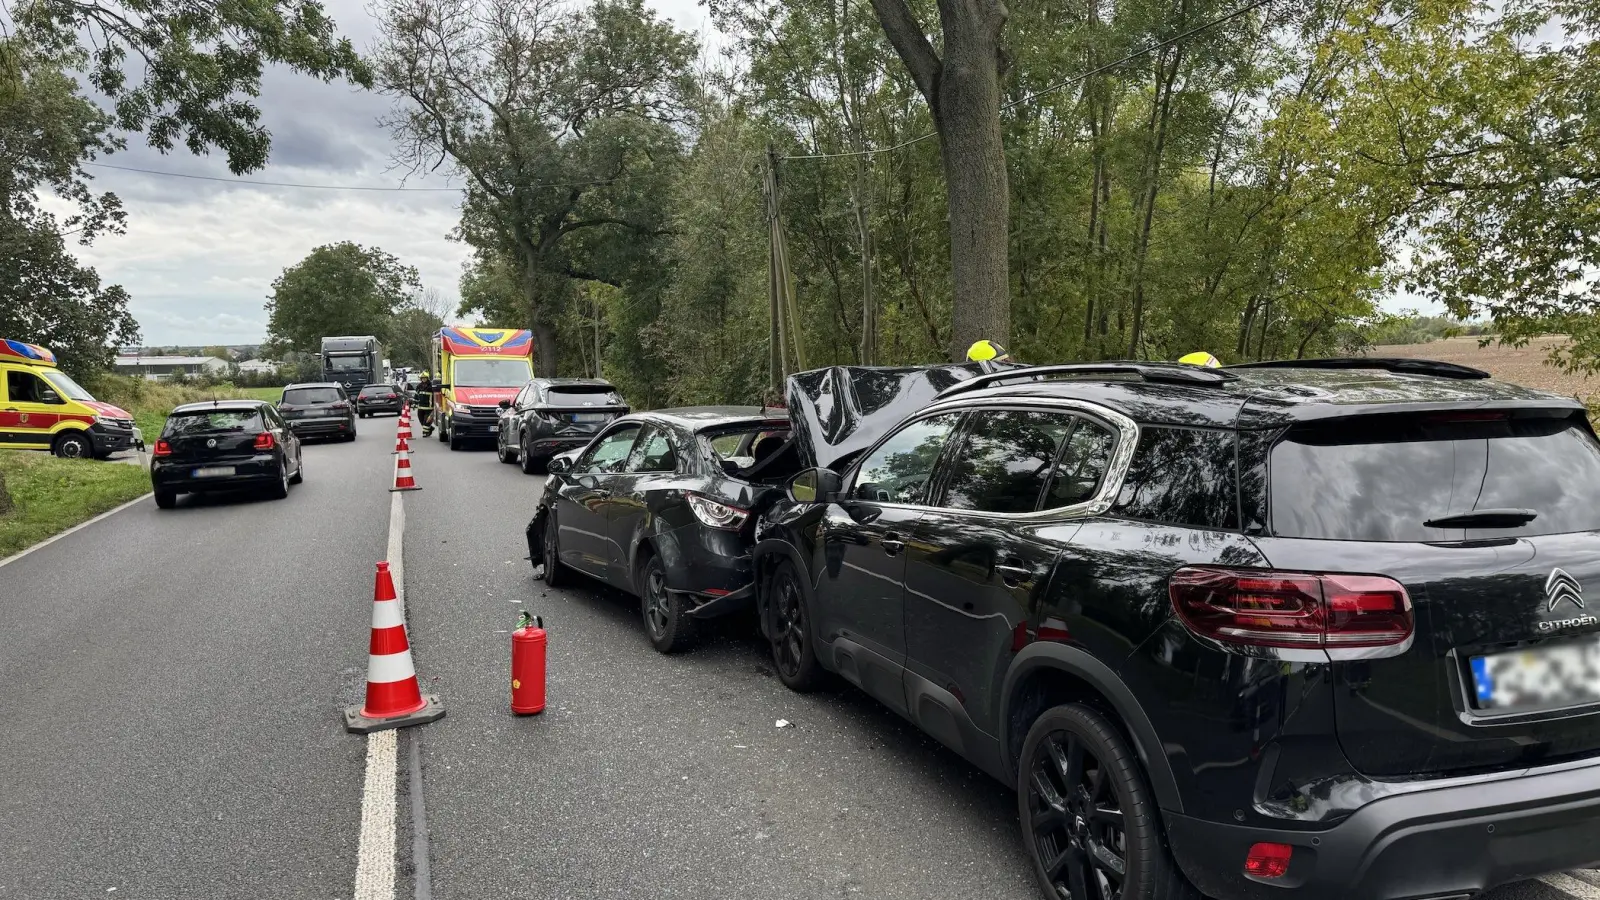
263	393
51	495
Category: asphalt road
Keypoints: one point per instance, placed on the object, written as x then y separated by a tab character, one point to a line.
170	721
171	681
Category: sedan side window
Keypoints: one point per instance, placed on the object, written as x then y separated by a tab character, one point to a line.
899	470
653	453
610	453
1005	459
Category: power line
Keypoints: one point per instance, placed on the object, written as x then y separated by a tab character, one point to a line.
1145	51
347	187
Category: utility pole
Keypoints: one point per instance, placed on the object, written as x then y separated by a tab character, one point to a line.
784	321
595	295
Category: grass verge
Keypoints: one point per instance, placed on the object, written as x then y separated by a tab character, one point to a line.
51	495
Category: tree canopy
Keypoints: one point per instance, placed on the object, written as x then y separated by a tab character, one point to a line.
338	289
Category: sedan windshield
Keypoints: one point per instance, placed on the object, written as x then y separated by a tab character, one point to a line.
492	372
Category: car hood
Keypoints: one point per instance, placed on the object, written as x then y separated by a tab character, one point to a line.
838	412
106	409
484	396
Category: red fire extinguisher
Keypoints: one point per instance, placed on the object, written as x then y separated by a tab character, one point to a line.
527	665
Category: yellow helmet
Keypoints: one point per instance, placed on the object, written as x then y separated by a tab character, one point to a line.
1200	358
985	351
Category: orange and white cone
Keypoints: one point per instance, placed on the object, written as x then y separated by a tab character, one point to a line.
402	473
400	445
394	700
403	429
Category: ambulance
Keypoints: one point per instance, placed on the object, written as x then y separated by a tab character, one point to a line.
43	409
475	369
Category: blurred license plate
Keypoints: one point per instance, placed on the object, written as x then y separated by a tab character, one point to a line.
1539	677
494	429
591	417
213	471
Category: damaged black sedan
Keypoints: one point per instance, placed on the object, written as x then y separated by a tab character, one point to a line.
661	505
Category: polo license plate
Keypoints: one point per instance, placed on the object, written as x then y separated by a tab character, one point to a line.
494	429
1549	677
213	471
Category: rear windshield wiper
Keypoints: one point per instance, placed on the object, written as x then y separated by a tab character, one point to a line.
1484	518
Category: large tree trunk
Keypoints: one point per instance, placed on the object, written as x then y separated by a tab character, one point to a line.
980	199
545	352
963	91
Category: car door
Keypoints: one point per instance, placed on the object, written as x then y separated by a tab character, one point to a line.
584	494
26	419
1008	498
281	432
861	580
637	494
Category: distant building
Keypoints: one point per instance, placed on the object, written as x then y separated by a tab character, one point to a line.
161	368
258	367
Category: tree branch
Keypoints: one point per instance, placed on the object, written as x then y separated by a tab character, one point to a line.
911	43
582	275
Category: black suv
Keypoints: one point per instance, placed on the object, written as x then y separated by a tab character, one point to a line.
554	415
318	409
1314	628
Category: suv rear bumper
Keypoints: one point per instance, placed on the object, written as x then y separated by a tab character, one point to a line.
1436	843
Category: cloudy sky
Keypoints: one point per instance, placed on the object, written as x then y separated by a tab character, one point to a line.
199	256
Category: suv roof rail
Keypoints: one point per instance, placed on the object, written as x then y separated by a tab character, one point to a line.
1396	364
1172	373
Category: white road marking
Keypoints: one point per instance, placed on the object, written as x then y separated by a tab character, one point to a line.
76	528
375	858
1572	887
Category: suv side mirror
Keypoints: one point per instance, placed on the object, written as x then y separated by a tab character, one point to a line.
559	464
505	404
815	485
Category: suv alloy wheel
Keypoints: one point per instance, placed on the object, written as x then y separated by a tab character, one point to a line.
1089	821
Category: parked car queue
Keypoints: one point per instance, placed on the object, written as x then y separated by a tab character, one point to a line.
1314	626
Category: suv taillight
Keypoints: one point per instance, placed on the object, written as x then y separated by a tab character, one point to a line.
162	449
1266	608
265	441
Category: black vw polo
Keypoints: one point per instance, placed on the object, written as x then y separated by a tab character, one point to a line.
661	505
224	445
1312	629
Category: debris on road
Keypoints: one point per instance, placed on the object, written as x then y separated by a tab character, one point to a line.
783	723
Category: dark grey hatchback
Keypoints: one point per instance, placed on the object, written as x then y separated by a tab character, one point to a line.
662	505
224	445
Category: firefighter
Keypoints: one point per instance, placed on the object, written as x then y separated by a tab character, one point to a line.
423	400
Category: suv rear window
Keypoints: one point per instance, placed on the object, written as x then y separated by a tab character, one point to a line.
577	396
308	396
1381	479
377	390
213	422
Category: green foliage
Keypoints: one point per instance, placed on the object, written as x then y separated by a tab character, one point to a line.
51	495
338	289
197	66
565	122
1418	329
47	132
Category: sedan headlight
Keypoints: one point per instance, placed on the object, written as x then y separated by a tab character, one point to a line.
717	514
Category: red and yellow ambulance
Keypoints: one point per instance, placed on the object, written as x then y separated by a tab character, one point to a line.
41	408
476	368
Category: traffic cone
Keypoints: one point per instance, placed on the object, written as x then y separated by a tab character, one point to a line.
400	445
403	430
393	698
402	473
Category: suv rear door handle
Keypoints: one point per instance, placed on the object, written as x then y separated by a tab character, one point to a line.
1014	575
892	544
